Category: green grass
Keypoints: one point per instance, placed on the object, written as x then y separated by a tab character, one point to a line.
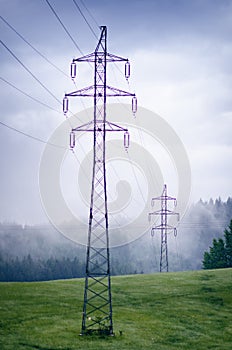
190	310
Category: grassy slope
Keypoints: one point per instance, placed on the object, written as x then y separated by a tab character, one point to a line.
190	310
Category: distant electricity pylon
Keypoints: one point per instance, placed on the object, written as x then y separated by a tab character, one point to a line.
97	306
164	212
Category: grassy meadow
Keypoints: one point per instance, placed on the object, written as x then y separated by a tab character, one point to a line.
185	310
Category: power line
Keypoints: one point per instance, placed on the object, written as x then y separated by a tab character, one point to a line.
93	32
30	136
29	44
63	26
91	29
29	71
86	21
31	97
93	18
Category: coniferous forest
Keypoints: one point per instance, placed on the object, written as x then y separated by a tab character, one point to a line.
40	253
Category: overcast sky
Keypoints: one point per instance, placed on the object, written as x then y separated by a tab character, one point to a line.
180	53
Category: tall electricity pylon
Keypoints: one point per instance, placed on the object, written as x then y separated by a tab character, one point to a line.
97	306
164	212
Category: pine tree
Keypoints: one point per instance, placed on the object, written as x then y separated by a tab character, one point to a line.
220	254
228	245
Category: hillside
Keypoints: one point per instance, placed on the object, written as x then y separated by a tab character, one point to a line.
185	310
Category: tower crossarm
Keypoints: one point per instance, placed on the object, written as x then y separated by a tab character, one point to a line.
112	91
164	211
90	92
162	226
108	127
163	198
109	58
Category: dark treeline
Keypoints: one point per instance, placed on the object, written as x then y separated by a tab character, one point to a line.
29	253
28	269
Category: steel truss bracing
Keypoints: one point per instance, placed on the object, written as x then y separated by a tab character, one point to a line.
97	306
164	228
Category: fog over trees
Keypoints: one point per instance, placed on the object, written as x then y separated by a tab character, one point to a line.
41	253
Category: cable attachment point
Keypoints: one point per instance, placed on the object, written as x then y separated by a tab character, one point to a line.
127	70
73	71
126	140
175	232
65	105
134	105
72	140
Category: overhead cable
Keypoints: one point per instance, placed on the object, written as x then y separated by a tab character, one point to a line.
31	97
63	26
93	18
86	21
29	71
29	44
30	136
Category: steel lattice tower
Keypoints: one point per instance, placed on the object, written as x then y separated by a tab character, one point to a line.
164	212
97	306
